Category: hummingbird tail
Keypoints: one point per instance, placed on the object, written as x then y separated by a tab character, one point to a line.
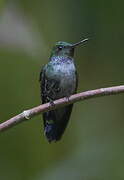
50	132
55	122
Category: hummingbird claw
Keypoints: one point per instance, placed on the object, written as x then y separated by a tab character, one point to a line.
52	103
67	97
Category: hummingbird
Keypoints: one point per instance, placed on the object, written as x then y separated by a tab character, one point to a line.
58	79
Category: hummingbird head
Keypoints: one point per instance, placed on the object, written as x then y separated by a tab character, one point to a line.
65	49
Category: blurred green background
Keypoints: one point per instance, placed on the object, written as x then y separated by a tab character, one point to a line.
92	147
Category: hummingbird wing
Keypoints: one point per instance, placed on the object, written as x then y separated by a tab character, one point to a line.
55	121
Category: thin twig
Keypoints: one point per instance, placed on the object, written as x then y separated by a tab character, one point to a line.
28	114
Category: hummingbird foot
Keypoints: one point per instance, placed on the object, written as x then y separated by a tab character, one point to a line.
67	97
52	103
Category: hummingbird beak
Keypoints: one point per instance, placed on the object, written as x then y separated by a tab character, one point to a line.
80	42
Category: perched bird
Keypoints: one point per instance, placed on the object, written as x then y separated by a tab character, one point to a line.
58	79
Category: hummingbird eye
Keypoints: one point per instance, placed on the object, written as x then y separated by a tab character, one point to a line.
60	47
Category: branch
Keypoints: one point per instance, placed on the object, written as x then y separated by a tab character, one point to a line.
28	114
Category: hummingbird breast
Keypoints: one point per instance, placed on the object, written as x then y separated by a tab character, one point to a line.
63	74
